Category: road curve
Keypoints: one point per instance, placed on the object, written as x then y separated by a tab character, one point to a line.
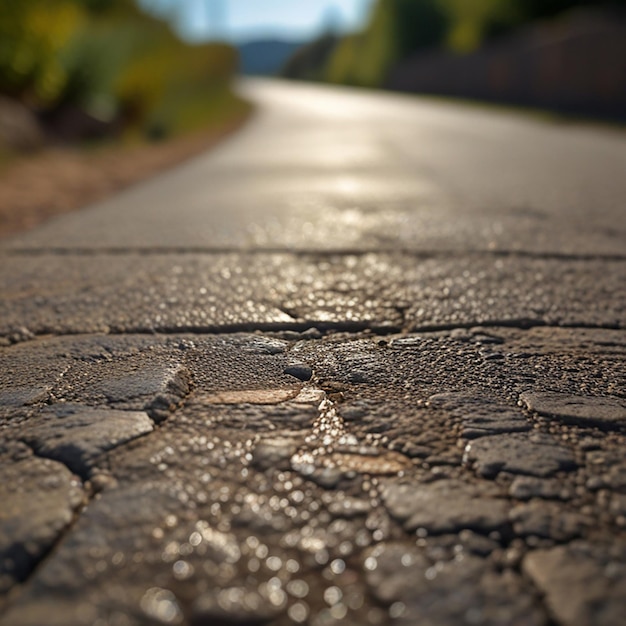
321	168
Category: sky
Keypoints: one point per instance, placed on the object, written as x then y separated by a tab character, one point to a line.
243	20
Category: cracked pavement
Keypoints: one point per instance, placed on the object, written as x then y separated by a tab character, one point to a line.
362	364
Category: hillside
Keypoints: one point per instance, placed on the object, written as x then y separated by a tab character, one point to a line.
265	57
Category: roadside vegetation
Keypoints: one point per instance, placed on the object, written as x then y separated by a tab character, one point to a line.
398	29
86	89
98	67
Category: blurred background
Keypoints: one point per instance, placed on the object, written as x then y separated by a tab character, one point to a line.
565	55
85	69
100	93
97	94
92	68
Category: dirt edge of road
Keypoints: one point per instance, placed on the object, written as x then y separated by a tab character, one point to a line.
53	181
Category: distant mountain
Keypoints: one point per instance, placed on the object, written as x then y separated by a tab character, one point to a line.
266	57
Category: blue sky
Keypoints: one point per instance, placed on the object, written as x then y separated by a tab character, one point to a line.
241	20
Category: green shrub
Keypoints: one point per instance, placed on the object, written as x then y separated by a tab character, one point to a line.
112	61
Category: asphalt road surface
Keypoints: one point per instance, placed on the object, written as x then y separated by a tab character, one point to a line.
361	364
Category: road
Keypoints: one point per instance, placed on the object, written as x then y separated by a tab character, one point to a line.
361	364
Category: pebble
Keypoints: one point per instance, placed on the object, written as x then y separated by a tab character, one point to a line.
358	376
299	371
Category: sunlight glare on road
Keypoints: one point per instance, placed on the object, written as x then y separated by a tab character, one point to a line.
347	185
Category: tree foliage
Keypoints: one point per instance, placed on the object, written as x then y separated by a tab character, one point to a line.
396	28
399	28
108	59
309	61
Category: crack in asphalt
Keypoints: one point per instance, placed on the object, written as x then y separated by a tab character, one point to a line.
327	430
307	252
325	328
88	489
88	496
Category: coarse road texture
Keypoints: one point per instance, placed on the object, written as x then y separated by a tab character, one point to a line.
362	364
